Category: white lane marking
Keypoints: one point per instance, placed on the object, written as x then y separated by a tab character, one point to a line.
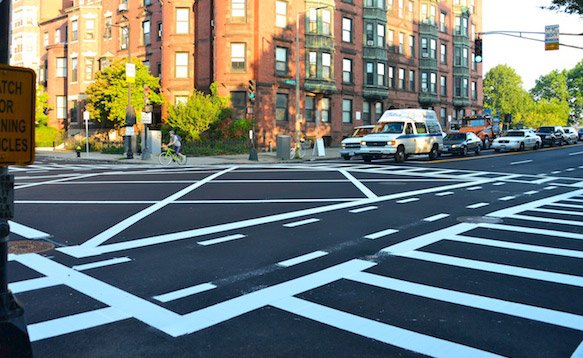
361	210
33	284
474	188
575	200
547	220
221	239
534	204
570	169
115	202
74	323
124	224
537	231
404	201
521	162
540	314
26	231
497	268
576	153
101	263
567	205
302	259
24	186
185	292
436	217
498	183
578	352
366	191
444	193
532	192
301	222
380	234
257	201
477	205
556	172
506	198
382	332
563	212
550	187
516	246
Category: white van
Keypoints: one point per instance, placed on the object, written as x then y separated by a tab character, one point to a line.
401	132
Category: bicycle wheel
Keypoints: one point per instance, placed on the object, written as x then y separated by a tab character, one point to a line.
165	158
181	159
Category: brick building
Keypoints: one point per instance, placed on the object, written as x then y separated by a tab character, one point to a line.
356	58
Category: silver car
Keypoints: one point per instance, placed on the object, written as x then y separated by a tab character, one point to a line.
572	135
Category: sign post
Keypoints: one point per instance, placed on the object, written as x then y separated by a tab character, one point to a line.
551	37
86	119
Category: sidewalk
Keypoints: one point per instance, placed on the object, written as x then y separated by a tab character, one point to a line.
264	157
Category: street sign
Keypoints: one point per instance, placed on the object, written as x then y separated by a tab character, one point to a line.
290	82
17	115
130	73
551	37
147	117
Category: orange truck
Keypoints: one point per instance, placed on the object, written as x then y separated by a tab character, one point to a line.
484	126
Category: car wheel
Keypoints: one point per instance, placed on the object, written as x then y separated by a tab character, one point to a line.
434	153
561	142
400	155
536	146
497	150
464	151
478	149
346	157
521	148
367	159
552	142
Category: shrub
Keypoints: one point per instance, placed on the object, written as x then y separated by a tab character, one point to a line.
48	136
210	148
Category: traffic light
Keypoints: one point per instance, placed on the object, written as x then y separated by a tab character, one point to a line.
478	50
251	91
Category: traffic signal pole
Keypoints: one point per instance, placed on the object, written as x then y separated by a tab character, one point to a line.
14	340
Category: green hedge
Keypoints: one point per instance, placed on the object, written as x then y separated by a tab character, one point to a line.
210	148
47	136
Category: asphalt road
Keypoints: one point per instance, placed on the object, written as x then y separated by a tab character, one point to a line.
459	257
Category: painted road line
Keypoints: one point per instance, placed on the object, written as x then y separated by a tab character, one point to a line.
506	198
361	210
567	205
547	220
575	200
536	231
74	323
399	337
303	258
497	268
444	193
532	192
57	180
535	204
88	202
499	183
404	201
571	169
366	191
221	239
380	234
563	212
185	292
33	284
474	188
101	263
576	153
301	222
514	246
27	232
550	187
436	217
556	172
477	205
540	314
578	352
521	162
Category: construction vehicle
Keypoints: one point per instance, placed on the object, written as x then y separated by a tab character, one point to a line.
484	126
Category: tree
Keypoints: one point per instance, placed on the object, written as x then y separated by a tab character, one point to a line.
575	88
551	85
198	113
503	92
107	96
545	112
568	6
42	99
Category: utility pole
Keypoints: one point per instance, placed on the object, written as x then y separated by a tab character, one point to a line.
14	339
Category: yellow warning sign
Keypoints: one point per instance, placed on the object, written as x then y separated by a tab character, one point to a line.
17	115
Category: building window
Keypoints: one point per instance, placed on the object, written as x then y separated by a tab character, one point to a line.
313	20
309	113
89	29
391	40
474	90
89	68
124	38
366	112
61	107
61	67
378	110
326	22
401	43
401	78
238	57
412	80
412	46
465	57
45	39
346	29
401	8
391	83
424	48
326	65
443	86
325	105
381	36
281	107
433	83
182	20
443	115
312	64
370	73
473	61
442	23
74	67
74	111
108	26
58	36
74	30
147	2
146	32
239	103
465	87
381	74
281	60
369	34
181	65
347	70
281	14
103	63
433	48
457	53
238	8
159	31
424	82
443	54
346	111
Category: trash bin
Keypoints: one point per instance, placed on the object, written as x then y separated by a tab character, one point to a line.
283	143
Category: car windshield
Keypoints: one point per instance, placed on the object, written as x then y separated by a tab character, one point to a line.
389	127
361	132
480	122
455	136
546	129
515	134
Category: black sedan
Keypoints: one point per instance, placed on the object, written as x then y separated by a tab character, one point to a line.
461	143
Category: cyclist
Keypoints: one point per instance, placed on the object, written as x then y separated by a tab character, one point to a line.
174	142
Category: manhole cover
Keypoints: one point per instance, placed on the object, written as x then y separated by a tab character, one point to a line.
28	247
480	220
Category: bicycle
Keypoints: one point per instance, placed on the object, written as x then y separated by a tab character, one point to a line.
169	155
299	151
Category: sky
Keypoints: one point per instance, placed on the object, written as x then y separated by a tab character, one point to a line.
528	58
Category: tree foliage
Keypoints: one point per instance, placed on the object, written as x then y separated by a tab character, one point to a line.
575	88
195	116
568	6
546	112
42	99
503	92
551	85
107	96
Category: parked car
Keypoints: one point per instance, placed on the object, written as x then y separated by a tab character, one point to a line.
580	133
551	135
517	140
351	145
462	143
571	134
